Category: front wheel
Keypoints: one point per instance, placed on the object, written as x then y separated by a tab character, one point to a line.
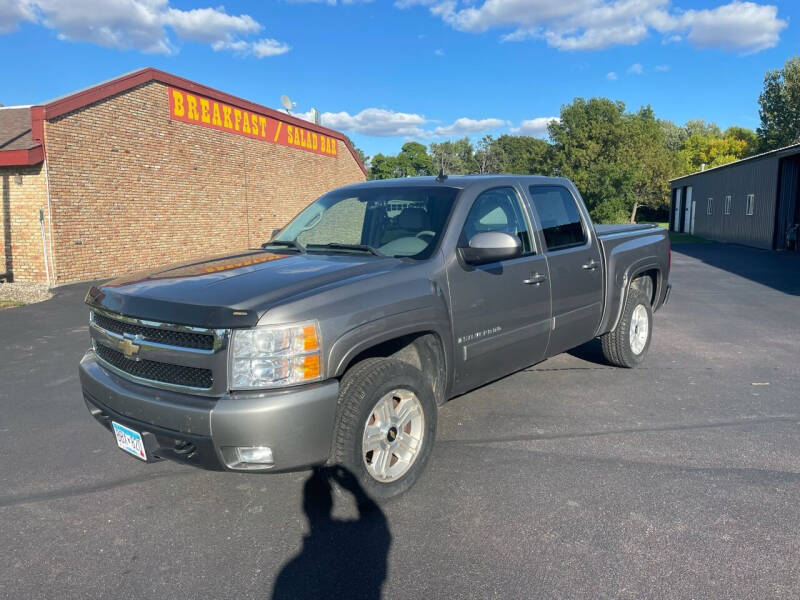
627	345
386	425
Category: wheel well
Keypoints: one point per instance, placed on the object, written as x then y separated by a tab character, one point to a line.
647	282
422	350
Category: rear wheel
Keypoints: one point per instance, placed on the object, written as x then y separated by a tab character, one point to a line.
386	425
627	345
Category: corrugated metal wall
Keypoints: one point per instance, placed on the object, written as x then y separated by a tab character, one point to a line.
759	177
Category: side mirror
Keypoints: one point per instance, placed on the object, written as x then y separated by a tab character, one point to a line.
491	246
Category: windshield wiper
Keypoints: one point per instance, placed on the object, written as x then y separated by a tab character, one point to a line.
294	244
359	247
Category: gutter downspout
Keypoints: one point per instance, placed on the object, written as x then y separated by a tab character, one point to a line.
44	246
49	219
37	132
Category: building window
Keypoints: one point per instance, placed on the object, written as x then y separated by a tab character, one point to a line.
727	205
751	203
710	207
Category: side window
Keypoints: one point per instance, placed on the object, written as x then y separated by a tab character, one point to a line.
498	209
559	216
751	204
728	205
710	207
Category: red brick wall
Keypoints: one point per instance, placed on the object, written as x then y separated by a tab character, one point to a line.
131	189
23	191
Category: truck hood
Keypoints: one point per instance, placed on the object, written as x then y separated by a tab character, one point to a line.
232	290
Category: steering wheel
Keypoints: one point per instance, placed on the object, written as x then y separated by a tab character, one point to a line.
432	234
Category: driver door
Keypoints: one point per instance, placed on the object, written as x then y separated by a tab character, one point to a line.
500	310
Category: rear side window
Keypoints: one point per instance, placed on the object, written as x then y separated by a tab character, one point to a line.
559	216
497	209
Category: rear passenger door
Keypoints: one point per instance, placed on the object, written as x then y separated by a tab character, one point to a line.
575	263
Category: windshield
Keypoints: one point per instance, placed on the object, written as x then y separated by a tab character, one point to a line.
392	221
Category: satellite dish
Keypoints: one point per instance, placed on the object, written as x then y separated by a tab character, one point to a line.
287	103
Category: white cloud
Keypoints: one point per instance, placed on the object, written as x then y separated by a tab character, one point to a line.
269	47
534	127
380	122
635	69
377	122
738	26
595	24
439	52
662	68
612	76
145	25
465	126
14	12
329	2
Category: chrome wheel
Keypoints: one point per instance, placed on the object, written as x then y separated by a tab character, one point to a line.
393	435
640	329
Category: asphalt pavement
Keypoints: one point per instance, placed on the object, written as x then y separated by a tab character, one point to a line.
571	479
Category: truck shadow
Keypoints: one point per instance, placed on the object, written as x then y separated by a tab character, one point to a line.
591	351
339	558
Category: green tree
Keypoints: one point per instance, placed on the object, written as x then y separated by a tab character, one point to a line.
454	158
489	157
618	160
780	107
524	155
414	161
384	167
359	152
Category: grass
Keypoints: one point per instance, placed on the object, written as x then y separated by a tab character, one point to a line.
10	304
682	238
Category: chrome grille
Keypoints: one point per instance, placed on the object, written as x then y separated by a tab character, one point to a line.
169	356
169	337
157	371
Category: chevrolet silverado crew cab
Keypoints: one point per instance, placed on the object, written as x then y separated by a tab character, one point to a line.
337	340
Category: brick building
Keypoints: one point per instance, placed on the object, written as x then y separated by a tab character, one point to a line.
150	169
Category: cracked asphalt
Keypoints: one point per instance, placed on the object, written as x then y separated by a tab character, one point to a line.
571	479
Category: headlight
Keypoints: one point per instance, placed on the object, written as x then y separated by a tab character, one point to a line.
267	357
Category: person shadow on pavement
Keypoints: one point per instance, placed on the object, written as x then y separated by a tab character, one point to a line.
339	558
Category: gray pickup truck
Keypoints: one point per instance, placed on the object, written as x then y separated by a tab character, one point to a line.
336	342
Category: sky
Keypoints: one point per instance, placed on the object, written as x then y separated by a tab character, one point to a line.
386	72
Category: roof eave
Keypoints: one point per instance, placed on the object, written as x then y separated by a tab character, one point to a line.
21	158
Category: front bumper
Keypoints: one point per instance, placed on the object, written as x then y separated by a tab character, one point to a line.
296	423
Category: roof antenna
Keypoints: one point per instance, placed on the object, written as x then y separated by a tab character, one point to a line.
441	176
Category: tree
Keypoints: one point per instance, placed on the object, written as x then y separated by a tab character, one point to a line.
649	161
454	158
414	161
359	152
780	107
384	167
489	157
524	155
618	160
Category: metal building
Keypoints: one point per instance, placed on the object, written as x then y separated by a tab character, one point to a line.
754	201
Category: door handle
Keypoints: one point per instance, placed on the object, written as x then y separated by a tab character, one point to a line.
591	265
535	279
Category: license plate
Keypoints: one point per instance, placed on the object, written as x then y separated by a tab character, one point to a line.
129	440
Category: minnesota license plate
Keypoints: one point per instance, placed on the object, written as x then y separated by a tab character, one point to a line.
129	440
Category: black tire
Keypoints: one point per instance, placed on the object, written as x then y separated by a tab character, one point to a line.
360	390
617	343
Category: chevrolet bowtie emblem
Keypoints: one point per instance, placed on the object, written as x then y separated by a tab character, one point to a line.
127	347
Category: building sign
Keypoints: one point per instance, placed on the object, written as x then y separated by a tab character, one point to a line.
193	108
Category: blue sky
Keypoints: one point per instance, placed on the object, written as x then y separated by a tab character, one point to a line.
388	71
